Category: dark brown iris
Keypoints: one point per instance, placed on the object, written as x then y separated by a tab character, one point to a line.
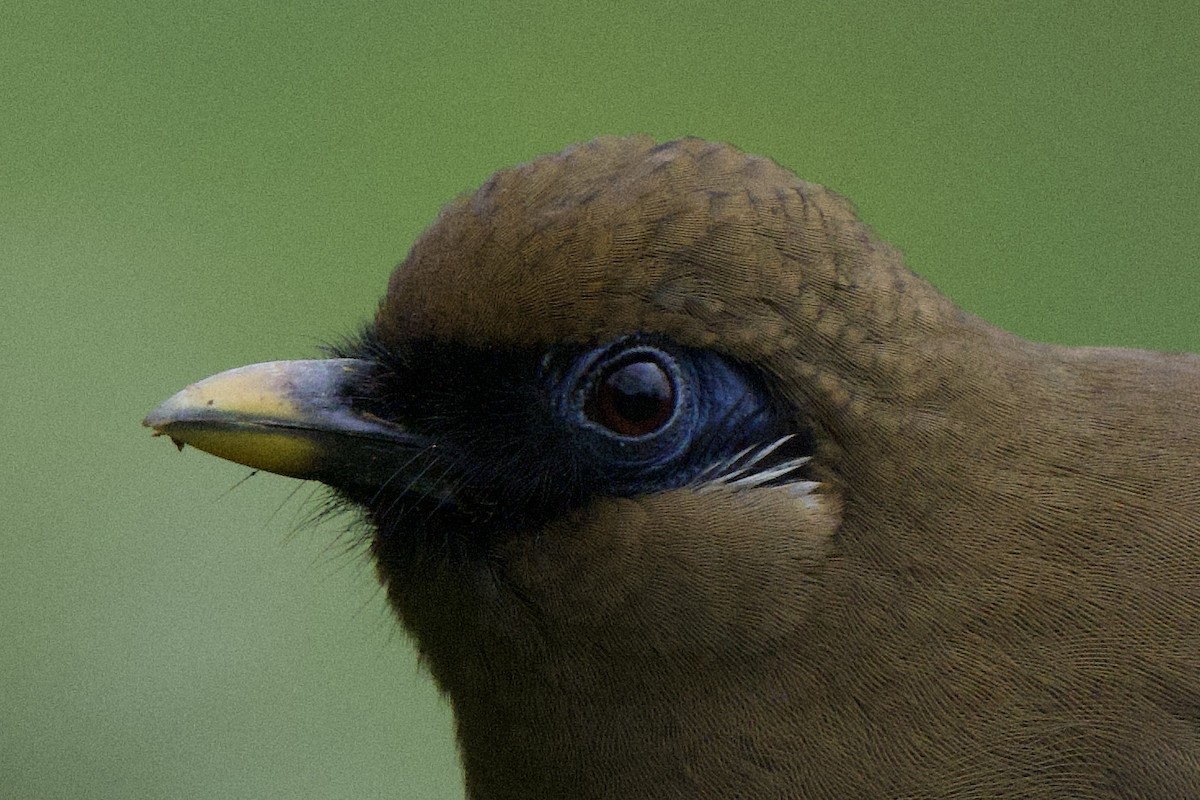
632	399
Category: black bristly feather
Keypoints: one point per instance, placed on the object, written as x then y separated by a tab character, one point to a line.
513	448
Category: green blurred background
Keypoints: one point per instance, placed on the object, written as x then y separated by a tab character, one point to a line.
189	187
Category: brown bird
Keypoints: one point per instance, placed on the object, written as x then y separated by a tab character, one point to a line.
687	488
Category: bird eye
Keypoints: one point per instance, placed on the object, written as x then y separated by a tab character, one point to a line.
632	398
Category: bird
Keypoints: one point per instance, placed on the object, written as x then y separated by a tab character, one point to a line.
686	486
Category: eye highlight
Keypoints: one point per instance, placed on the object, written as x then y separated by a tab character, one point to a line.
632	397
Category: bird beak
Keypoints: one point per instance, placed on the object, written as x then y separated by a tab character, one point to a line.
293	418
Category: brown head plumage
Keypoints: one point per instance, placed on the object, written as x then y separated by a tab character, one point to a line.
687	487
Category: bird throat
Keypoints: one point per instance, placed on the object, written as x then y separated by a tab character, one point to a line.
598	652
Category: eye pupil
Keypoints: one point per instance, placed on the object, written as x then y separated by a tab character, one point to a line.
632	399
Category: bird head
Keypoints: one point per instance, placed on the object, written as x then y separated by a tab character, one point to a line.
655	442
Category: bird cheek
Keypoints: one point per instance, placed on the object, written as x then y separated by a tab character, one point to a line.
705	573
